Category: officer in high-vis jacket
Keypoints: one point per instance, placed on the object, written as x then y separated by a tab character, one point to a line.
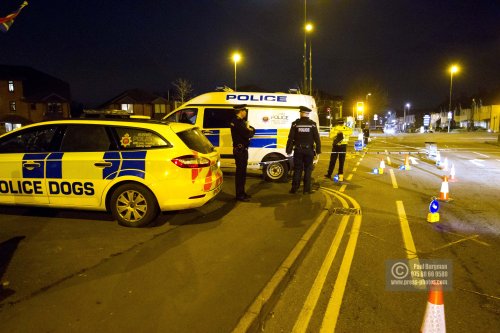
304	141
340	135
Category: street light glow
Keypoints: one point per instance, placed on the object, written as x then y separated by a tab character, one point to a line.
309	27
236	59
454	69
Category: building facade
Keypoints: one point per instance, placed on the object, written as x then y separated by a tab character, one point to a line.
28	95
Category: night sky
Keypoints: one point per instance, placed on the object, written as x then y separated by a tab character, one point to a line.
399	47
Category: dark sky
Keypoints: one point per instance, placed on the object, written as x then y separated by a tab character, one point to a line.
403	47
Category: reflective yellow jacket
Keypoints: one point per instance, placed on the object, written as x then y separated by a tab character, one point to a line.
346	131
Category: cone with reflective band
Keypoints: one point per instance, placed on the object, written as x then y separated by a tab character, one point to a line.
434	320
445	164
438	159
444	194
452	172
381	167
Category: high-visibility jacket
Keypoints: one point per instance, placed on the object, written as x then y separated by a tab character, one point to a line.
345	130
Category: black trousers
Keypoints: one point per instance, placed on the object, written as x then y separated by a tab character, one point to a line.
340	152
302	162
241	159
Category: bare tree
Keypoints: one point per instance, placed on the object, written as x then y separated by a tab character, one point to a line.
183	88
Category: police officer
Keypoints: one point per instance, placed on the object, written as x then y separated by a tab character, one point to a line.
304	141
241	132
340	135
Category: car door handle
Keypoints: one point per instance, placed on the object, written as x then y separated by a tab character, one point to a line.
207	132
103	164
31	165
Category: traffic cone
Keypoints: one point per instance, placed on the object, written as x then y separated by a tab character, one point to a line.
445	164
381	167
438	159
452	172
444	194
407	162
434	320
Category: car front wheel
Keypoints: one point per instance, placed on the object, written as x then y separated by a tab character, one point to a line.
133	205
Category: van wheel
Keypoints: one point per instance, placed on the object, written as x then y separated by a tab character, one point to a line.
133	205
275	171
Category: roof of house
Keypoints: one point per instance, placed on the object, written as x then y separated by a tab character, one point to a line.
37	86
135	96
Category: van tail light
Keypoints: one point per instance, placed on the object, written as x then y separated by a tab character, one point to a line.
191	162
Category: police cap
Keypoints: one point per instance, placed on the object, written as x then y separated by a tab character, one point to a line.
304	109
240	107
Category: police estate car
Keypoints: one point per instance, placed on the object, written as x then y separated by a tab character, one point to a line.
132	168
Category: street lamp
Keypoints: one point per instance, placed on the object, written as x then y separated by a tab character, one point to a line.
453	69
308	87
236	59
305	47
366	107
407	106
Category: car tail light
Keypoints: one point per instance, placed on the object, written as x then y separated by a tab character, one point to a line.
191	162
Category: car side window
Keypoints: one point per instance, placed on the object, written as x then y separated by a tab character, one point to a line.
31	140
138	138
217	118
187	116
85	138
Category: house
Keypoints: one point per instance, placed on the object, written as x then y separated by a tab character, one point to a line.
28	95
139	102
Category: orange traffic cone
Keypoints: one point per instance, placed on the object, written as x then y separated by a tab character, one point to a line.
434	321
444	194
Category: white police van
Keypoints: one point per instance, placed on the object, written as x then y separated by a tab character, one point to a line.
133	168
271	114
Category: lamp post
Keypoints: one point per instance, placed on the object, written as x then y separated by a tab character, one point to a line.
308	27
236	59
453	70
407	106
366	108
305	47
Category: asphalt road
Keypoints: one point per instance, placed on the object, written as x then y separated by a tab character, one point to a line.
200	270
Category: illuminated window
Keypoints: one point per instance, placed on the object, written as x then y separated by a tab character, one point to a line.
160	108
54	108
11	86
128	107
12	106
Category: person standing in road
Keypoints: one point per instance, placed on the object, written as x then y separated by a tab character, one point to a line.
304	141
241	132
340	135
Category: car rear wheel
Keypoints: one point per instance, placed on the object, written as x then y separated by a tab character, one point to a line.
133	205
275	169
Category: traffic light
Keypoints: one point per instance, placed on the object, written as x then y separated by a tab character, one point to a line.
360	109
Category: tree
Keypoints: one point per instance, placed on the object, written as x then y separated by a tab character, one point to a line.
183	88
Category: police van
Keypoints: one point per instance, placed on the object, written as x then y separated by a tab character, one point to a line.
132	168
271	114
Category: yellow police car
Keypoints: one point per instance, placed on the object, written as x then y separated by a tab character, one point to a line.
132	168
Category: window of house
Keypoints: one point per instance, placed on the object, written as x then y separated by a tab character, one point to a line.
160	108
11	86
12	105
54	108
128	107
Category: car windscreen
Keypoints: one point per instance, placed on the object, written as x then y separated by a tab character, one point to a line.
196	140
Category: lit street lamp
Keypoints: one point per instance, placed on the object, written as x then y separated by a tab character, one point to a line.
307	86
453	69
236	59
407	106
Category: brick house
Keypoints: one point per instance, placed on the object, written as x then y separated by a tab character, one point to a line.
139	102
28	95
